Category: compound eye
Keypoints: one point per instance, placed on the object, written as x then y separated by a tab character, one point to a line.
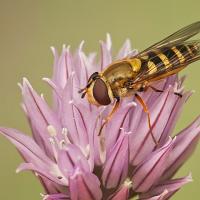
100	92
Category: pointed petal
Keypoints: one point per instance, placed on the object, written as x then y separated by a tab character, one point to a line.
80	68
46	172
62	69
40	116
123	192
125	50
49	186
151	169
84	186
164	111
55	87
106	57
174	113
71	116
161	196
142	140
170	185
58	196
116	166
182	149
30	151
121	120
36	102
70	158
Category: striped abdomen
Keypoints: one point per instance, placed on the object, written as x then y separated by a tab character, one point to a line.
169	58
166	61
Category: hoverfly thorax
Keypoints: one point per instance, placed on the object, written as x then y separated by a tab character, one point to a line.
98	91
120	75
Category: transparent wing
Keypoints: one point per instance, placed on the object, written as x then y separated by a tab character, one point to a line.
177	37
161	70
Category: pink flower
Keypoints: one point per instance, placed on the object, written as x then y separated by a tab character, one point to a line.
73	162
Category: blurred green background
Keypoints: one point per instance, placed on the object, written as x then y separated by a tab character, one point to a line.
29	28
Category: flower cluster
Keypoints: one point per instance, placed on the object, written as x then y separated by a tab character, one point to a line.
73	162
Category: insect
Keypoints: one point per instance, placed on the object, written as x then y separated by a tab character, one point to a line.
135	74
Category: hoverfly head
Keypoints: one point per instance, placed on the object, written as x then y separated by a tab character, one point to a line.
96	90
91	79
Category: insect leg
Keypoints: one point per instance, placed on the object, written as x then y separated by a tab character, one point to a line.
178	94
108	118
155	89
146	110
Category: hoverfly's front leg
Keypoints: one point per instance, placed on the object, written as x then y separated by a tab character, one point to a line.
109	117
146	110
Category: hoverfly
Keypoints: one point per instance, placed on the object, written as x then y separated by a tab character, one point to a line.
135	74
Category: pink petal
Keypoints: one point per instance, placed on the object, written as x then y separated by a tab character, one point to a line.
43	172
170	185
30	151
116	165
49	186
40	116
113	130
173	116
123	192
151	169
125	49
58	196
143	142
70	158
62	68
182	148
72	118
84	186
106	57
158	197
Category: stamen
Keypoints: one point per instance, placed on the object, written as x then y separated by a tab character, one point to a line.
128	183
51	130
65	133
102	149
52	142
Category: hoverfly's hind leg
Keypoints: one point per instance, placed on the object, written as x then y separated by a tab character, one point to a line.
155	89
146	110
109	117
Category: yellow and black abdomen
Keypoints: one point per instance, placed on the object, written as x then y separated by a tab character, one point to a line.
180	54
166	61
